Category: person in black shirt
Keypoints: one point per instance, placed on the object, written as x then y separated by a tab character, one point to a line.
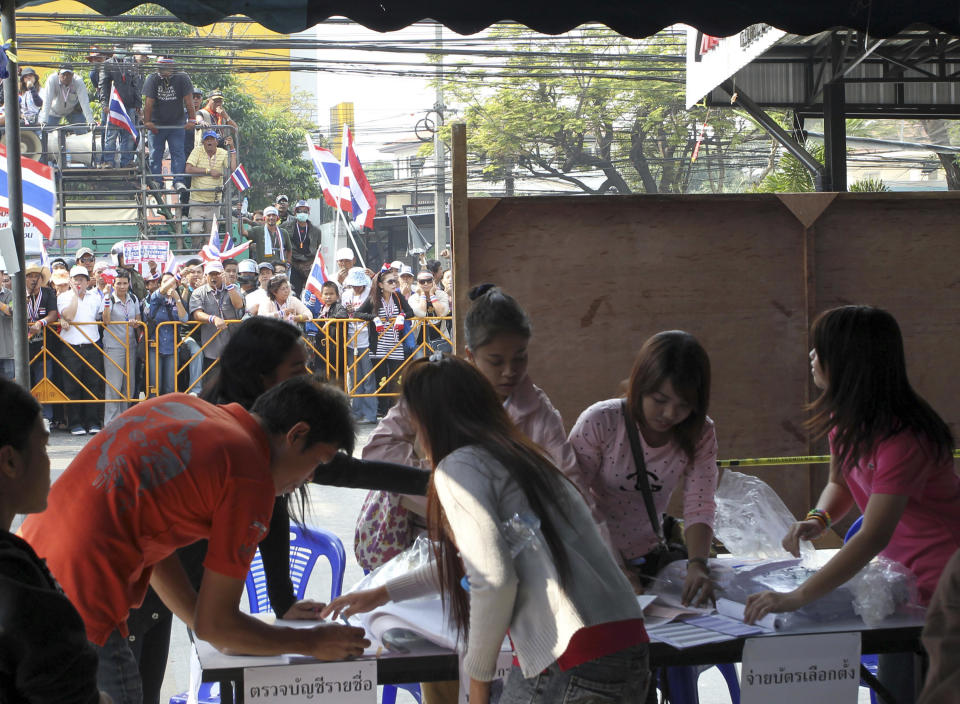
167	93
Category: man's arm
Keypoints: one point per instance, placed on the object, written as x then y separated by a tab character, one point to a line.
148	114
44	116
346	471
84	101
169	580
219	621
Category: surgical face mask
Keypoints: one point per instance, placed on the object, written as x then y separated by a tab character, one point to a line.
303	217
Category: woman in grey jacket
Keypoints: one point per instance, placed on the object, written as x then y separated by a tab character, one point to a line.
570	612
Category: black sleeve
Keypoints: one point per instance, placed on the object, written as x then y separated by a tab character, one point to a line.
347	471
275	553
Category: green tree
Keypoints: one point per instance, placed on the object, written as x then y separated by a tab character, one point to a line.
593	102
272	135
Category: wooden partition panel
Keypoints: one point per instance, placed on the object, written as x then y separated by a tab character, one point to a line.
744	273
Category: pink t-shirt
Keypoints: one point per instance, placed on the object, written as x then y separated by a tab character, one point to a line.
929	530
599	440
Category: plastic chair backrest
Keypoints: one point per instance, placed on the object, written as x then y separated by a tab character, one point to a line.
306	546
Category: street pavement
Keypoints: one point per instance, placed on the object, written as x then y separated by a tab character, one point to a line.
336	510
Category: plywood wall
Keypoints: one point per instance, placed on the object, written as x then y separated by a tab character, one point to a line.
744	273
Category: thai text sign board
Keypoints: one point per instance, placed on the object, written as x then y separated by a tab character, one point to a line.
801	669
145	251
353	682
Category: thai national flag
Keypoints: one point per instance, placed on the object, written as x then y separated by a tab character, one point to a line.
39	193
318	275
214	249
240	178
119	116
171	266
363	203
327	168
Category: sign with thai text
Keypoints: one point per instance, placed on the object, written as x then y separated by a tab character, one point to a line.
154	250
801	669
352	682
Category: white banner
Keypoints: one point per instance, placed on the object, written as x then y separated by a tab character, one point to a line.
352	682
801	669
32	237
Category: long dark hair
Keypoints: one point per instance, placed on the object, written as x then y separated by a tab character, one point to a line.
256	348
677	357
868	396
434	391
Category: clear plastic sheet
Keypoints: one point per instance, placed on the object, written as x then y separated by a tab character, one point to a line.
751	519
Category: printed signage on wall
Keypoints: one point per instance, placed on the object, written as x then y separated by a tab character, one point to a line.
801	669
353	682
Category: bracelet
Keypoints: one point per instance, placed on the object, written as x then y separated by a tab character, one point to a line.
232	151
820	515
43	322
699	561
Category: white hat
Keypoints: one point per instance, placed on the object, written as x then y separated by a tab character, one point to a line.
405	270
396	265
357	277
270	210
344	253
79	270
247	266
215	266
82	251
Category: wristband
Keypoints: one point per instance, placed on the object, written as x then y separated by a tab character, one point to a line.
43	322
231	287
820	515
699	561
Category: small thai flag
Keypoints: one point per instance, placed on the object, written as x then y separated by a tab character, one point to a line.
119	116
240	178
318	275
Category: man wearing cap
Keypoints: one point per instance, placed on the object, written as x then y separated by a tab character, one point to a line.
41	312
208	165
356	289
214	304
137	282
283	210
272	243
260	296
247	277
65	98
304	239
215	115
124	75
7	368
345	261
79	309
167	93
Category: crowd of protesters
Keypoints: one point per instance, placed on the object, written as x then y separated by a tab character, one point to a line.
108	317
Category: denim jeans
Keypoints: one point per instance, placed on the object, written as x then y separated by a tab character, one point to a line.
172	138
117	671
365	408
620	678
168	375
191	348
118	147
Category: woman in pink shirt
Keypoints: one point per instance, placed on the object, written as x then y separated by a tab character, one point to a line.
667	399
891	454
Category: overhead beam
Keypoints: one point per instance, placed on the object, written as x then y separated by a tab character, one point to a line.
739	98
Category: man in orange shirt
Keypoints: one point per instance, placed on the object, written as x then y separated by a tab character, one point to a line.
168	472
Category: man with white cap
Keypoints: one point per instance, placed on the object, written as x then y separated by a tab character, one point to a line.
283	207
356	288
247	277
79	309
65	98
271	241
166	93
345	261
259	296
86	259
214	304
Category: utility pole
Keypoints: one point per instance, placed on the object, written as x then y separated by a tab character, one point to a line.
439	194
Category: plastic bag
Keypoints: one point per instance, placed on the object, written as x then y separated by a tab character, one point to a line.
751	520
879	588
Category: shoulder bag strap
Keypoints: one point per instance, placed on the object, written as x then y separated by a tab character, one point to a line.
641	467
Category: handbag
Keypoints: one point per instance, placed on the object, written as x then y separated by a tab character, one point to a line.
384	529
666	551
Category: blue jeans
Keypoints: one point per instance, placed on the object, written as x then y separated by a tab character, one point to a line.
620	678
119	140
366	407
172	138
189	348
168	374
117	671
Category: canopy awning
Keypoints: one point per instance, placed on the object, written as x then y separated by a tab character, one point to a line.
632	18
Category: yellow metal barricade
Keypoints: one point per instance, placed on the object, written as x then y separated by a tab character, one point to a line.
187	351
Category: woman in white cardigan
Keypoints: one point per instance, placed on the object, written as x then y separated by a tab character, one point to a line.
570	612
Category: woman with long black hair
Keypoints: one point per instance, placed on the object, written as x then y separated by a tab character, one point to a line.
571	613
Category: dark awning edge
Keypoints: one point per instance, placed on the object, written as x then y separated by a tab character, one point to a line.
638	18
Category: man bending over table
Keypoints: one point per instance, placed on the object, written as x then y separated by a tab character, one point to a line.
168	472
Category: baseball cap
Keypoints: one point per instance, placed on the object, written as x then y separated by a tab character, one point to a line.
265	265
270	210
83	251
357	277
282	197
405	270
344	253
101	266
211	133
398	265
79	270
213	267
215	94
301	204
65	68
248	266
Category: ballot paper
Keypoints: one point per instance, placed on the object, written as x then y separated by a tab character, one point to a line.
734	609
